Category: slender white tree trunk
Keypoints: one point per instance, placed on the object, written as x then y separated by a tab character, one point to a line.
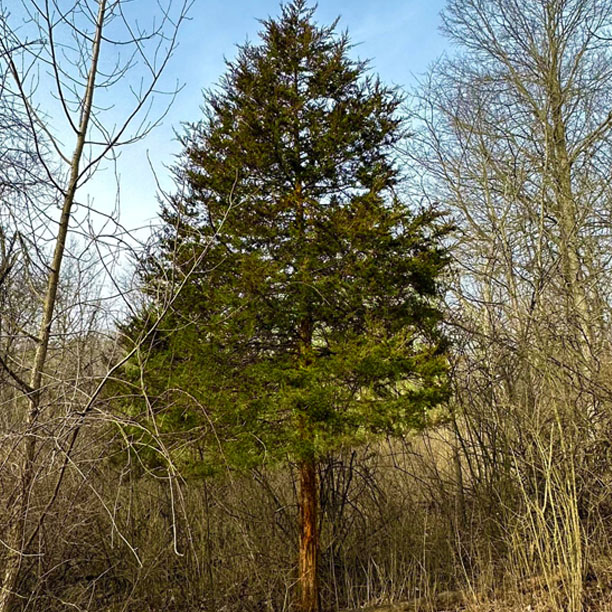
17	530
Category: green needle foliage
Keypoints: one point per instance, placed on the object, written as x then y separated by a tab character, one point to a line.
313	321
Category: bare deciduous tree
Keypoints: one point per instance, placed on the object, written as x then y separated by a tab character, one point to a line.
515	136
63	63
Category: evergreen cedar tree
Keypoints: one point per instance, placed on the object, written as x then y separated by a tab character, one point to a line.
313	319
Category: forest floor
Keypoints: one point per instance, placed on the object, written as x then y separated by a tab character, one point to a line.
458	601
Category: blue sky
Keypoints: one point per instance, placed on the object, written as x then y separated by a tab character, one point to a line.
400	37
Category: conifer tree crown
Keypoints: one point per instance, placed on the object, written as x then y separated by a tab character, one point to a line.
314	319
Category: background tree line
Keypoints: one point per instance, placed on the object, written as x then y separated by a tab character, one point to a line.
280	384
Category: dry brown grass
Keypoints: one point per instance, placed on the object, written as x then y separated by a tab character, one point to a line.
412	521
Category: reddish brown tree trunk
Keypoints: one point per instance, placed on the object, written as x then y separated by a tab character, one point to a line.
309	537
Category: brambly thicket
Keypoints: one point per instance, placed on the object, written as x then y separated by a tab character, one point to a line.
363	361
